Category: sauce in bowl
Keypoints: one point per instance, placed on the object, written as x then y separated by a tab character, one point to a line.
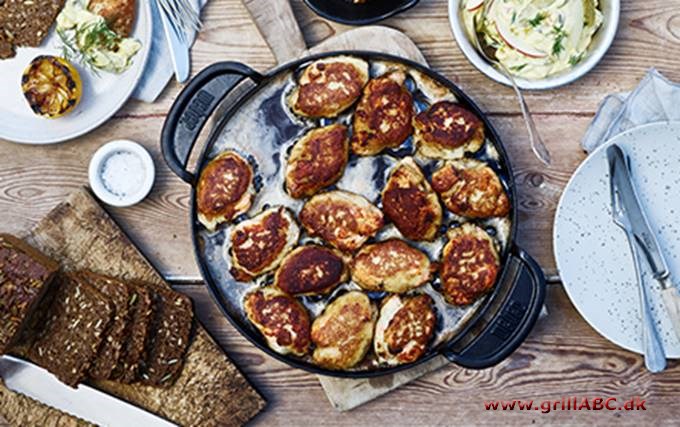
534	39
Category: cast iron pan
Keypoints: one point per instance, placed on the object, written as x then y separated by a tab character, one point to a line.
498	326
346	12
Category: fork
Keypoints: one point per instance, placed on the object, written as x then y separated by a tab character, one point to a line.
183	16
655	357
537	145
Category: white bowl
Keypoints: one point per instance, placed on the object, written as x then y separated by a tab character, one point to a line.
121	173
611	10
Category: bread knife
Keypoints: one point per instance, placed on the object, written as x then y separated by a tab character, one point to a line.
83	402
645	237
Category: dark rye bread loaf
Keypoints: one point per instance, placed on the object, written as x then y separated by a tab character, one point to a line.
109	353
136	343
25	275
171	331
74	329
26	23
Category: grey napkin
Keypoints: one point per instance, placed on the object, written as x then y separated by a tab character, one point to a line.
159	69
655	99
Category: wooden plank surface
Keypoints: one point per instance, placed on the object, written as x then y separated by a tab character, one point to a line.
649	31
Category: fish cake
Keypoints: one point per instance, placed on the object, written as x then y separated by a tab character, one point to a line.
344	220
259	244
328	87
281	319
317	160
447	131
225	189
344	331
310	270
392	266
383	118
408	200
469	265
119	14
404	328
470	188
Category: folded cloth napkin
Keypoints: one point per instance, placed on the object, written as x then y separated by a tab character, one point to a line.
159	69
655	99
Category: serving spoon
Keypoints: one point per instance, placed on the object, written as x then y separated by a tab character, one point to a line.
537	145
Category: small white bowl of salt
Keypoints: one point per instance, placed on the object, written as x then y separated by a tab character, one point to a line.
121	173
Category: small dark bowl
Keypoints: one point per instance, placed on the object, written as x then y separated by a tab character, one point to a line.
346	12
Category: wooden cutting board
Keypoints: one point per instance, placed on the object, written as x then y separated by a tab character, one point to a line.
211	390
277	24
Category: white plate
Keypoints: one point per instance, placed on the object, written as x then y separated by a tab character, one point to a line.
593	257
102	95
611	11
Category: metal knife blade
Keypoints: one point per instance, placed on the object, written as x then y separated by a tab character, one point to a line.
179	51
645	239
622	177
84	402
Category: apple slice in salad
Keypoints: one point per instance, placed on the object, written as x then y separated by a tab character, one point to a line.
503	26
473	5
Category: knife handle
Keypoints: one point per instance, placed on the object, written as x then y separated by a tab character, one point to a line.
655	357
671	299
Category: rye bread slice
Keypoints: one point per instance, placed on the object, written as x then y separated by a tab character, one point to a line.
25	275
109	352
136	343
74	329
171	332
26	23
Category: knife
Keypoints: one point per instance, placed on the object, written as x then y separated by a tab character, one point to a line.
179	49
84	402
646	238
655	357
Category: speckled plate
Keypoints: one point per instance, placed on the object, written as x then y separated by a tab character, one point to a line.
593	257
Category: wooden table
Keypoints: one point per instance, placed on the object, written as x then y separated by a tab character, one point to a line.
562	357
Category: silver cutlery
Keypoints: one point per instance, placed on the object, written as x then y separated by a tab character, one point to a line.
83	402
179	18
627	214
537	145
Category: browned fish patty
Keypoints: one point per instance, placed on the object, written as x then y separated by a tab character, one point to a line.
472	189
469	266
317	160
281	319
26	23
344	331
383	118
392	266
259	244
328	87
225	189
447	131
404	328
310	270
119	14
343	219
408	200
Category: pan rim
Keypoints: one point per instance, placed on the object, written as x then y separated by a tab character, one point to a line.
477	316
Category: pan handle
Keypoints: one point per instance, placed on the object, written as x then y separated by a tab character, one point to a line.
510	318
193	106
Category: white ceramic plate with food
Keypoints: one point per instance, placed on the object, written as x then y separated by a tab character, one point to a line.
578	64
592	253
104	93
